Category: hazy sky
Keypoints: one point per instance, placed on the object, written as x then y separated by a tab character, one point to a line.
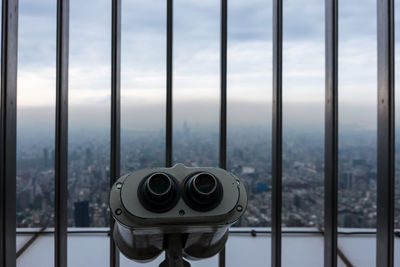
196	57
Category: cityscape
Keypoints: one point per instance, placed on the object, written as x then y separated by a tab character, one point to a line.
249	157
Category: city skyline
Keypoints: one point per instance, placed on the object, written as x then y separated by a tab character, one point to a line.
249	157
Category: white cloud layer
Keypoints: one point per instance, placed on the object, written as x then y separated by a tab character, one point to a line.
196	52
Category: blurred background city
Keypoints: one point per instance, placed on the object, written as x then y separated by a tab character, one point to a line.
88	183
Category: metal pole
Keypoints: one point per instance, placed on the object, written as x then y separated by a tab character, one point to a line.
386	130
61	135
8	117
276	237
173	252
115	145
331	133
223	104
168	128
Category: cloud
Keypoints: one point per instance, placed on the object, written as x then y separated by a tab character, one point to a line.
196	51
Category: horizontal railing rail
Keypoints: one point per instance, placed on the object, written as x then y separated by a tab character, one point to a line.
234	230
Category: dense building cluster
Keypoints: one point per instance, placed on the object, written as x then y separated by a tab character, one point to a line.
249	157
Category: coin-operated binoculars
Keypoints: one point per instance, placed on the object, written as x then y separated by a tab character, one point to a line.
185	211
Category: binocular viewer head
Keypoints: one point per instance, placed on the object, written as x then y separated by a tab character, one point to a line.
199	204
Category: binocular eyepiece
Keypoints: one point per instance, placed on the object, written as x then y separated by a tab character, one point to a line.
158	192
186	209
202	191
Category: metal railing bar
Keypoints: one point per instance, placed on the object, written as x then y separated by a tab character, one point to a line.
386	130
276	239
115	145
232	231
331	133
223	88
344	259
68	232
168	122
30	242
223	100
61	135
8	116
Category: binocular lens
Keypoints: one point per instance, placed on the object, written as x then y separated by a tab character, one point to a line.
158	192
202	191
205	184
159	184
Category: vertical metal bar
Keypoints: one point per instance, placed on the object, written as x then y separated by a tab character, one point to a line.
223	104
222	258
331	132
276	239
61	137
8	117
115	145
224	43
386	128
168	128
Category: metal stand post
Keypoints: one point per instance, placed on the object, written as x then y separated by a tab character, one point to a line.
173	252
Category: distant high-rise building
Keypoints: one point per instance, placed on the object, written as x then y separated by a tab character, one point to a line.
81	214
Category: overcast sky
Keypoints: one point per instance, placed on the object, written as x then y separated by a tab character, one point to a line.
196	58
